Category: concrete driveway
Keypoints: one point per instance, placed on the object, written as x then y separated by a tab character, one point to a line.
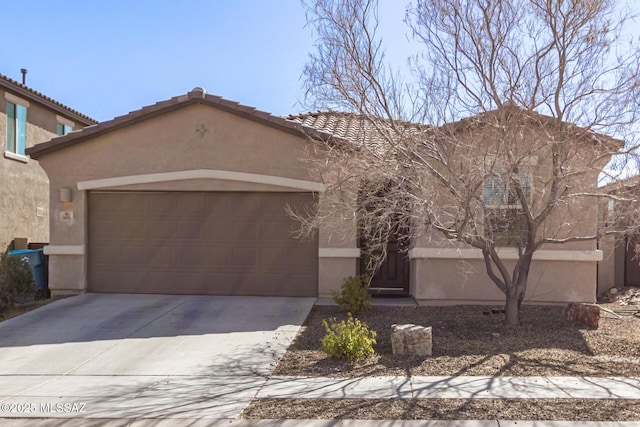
143	356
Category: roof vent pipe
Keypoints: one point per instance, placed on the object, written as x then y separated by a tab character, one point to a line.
24	76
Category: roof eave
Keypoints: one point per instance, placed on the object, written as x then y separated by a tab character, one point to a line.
192	98
25	92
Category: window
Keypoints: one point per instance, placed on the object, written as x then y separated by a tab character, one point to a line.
63	129
16	128
503	209
64	126
499	190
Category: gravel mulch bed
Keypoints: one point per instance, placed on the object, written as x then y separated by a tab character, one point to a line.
467	342
447	409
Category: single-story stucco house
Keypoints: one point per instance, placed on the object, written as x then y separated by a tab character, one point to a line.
188	196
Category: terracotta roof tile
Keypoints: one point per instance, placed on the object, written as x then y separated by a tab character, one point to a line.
36	96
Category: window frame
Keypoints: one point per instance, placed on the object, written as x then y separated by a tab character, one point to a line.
17	122
504	213
65	124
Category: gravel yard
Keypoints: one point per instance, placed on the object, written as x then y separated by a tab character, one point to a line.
467	342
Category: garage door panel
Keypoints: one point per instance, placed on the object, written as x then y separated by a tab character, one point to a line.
244	257
158	256
190	208
192	243
108	230
246	205
245	230
217	258
274	258
219	206
106	255
191	230
299	256
161	229
275	231
134	255
190	256
217	231
130	230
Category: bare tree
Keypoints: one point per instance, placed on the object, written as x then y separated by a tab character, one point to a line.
498	141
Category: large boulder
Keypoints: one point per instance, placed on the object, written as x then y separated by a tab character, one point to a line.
582	315
411	340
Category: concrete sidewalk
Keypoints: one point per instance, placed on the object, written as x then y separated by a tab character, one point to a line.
306	423
283	387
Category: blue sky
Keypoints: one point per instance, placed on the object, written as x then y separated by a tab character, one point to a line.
106	58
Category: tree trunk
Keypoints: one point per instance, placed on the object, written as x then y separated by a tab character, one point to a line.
512	308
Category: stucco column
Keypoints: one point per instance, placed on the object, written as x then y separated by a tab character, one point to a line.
67	249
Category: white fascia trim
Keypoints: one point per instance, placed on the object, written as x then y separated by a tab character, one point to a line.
507	253
296	184
339	253
16	100
64	250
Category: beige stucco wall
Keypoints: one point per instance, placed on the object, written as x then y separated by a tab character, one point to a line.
24	186
163	145
611	268
465	281
571	276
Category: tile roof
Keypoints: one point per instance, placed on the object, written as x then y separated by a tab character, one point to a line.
346	126
357	128
196	96
36	96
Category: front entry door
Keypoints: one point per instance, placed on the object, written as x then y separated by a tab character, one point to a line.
392	278
632	263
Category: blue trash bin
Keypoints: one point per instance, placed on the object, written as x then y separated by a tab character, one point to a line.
37	262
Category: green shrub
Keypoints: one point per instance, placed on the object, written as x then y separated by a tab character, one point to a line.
16	280
349	339
354	296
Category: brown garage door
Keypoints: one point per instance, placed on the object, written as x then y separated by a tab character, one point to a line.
220	243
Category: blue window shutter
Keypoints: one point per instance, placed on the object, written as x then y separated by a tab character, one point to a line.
11	127
60	129
21	122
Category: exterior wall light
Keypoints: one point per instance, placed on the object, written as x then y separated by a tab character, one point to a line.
65	195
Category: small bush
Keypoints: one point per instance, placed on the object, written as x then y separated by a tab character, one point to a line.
354	296
349	339
16	280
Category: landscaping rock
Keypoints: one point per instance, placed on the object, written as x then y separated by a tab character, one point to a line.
582	315
411	340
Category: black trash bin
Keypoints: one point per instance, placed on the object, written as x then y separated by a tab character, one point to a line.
38	264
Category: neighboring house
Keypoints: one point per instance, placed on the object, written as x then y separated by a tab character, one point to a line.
27	118
620	266
189	196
